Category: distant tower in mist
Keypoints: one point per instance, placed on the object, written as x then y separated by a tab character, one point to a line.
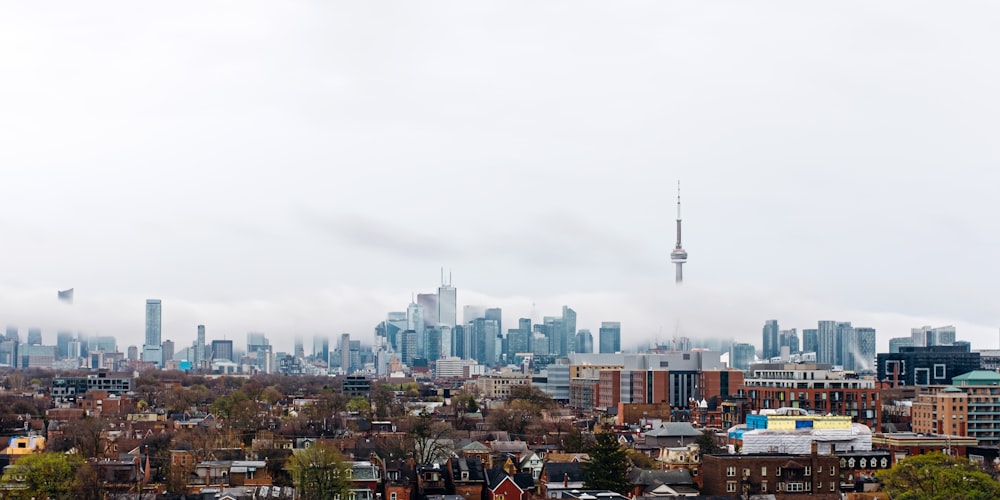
679	255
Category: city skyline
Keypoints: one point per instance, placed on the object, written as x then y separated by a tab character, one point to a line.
307	168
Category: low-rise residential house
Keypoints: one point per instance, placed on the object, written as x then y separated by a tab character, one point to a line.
230	473
400	480
467	477
502	486
532	463
686	458
366	480
662	483
558	477
431	480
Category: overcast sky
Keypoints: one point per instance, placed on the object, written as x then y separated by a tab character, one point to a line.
300	168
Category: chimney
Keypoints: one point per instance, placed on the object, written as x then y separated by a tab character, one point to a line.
814	448
565	480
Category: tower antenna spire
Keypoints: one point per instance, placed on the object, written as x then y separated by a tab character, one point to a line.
679	255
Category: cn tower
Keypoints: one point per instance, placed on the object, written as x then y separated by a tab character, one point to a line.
679	255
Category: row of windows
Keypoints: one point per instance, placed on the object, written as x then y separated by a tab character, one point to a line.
731	470
789	487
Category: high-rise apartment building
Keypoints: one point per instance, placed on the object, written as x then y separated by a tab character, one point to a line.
152	349
154	324
826	340
200	348
167	348
810	340
866	350
610	336
771	346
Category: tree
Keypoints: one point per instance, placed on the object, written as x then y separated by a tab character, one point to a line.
641	460
608	466
706	443
45	475
936	476
431	438
577	442
319	472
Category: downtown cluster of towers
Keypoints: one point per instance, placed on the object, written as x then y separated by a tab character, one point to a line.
832	342
429	330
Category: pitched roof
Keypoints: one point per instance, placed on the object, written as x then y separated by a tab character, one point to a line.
673	429
987	376
556	471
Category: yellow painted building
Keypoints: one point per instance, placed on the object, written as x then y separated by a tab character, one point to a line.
24	445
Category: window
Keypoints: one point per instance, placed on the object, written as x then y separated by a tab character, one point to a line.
763	471
833	472
819	485
392	496
833	486
730	486
777	471
730	471
793	487
809	470
819	469
763	486
746	472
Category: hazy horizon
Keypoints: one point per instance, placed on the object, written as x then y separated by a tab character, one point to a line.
303	167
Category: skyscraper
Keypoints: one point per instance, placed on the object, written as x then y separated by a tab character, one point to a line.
152	350
200	348
679	255
789	338
845	343
771	346
810	342
429	303
610	336
447	304
569	331
826	342
584	342
63	338
154	324
415	322
866	352
34	336
741	355
321	348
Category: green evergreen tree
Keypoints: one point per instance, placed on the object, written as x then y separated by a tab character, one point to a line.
936	476
608	466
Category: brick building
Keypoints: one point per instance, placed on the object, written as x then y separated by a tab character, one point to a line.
813	387
785	476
